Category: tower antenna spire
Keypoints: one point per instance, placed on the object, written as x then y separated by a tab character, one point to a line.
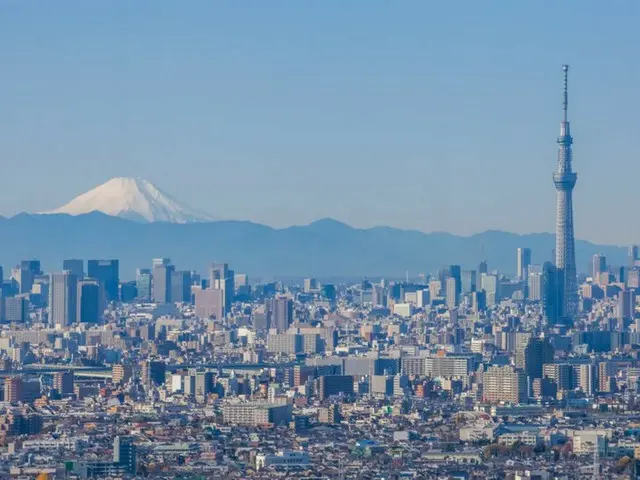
565	96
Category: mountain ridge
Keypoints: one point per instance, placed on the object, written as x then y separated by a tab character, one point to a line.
318	249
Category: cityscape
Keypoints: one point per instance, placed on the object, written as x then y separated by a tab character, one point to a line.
319	240
460	373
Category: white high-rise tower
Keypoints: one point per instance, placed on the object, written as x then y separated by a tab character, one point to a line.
565	179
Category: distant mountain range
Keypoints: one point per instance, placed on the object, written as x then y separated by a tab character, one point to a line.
326	248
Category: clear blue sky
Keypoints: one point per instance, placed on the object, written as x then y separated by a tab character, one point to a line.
415	114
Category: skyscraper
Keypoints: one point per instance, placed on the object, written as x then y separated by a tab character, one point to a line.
143	283
162	280
181	286
550	293
523	262
88	301
281	311
598	266
63	289
633	255
75	266
107	273
565	179
222	278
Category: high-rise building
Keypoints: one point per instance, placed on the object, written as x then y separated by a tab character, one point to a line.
468	281
181	286
328	385
107	273
452	292
162	275
491	285
222	278
13	389
124	453
143	283
311	285
153	372
209	303
63	293
565	179
16	309
523	262
88	301
482	268
32	266
598	266
281	311
63	382
504	384
23	278
75	266
632	255
534	290
533	355
121	373
626	304
551	293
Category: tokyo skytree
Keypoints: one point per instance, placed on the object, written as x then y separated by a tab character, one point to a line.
565	179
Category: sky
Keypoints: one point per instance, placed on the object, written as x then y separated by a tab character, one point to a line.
434	116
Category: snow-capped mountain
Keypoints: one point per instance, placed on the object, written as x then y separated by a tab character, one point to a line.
134	199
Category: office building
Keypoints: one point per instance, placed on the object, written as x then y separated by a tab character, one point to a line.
329	385
63	288
63	382
209	303
598	266
32	266
626	304
560	373
468	281
88	301
551	294
152	372
534	287
180	286
632	255
222	278
452	289
16	309
491	286
280	310
107	273
523	262
533	355
23	278
162	276
311	285
144	283
75	266
124	453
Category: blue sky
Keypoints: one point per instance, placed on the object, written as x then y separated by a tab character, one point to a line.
415	114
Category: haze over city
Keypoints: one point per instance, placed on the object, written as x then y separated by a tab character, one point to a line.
287	113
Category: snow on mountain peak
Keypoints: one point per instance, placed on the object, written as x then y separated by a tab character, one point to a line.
134	199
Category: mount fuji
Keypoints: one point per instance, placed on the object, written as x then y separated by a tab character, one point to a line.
133	199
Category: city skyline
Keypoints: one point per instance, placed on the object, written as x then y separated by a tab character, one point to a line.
253	112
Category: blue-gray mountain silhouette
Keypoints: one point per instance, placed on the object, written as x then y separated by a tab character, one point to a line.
326	248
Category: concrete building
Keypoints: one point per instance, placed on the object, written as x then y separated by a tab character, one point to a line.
504	384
